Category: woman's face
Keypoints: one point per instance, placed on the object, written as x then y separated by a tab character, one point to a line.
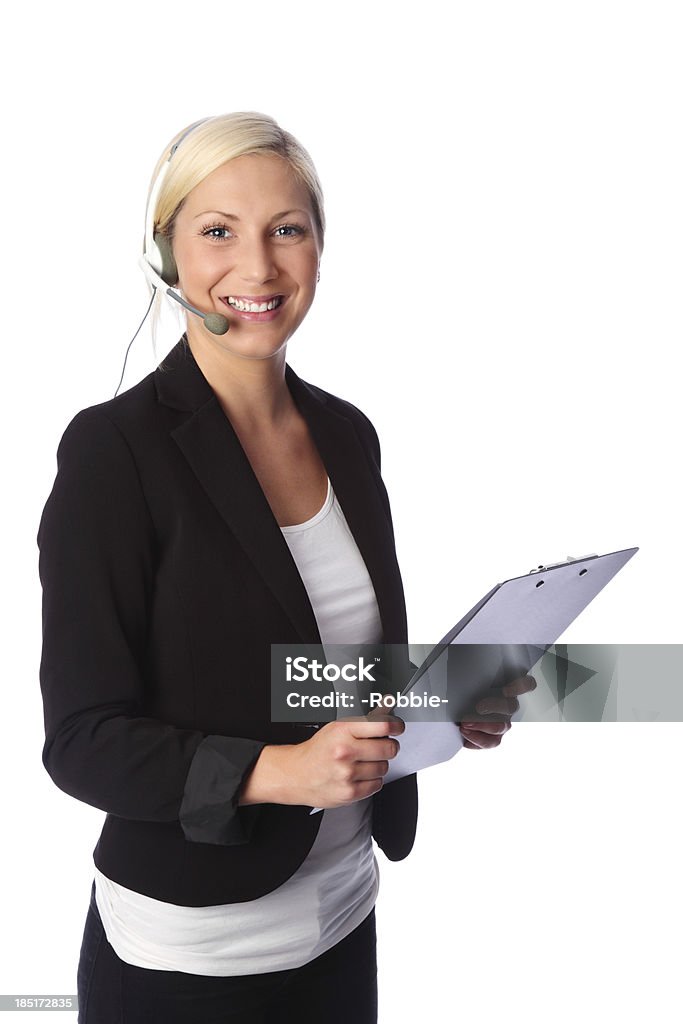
244	235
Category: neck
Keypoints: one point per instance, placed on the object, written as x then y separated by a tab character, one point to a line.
252	392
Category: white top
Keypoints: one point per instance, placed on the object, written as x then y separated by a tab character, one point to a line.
336	886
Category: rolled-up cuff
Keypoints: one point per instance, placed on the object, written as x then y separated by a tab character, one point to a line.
209	812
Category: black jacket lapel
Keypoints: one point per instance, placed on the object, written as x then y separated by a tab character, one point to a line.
213	450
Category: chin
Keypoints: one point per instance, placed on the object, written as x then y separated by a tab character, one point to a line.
250	348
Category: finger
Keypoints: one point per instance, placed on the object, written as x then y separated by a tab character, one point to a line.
364	771
497	706
524	684
470	745
492	728
483	740
469	739
382	709
376	750
366	789
390	725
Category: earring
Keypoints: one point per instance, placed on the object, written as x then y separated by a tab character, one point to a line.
318	273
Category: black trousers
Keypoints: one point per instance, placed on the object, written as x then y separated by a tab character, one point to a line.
338	987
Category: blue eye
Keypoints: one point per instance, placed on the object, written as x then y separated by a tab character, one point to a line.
290	227
208	232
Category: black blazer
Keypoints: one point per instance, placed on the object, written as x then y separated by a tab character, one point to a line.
165	580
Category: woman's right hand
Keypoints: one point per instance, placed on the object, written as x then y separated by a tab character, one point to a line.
343	762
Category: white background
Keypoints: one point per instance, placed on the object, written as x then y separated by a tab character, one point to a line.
500	293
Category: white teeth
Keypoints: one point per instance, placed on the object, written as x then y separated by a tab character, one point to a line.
254	307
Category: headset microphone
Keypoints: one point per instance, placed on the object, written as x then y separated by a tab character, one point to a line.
214	322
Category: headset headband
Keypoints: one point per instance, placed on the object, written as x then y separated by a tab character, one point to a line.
152	253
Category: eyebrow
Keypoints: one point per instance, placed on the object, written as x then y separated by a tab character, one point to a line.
232	216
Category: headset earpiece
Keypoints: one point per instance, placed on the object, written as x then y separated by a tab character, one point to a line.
168	271
157	252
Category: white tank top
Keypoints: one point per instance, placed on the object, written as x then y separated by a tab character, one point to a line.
336	886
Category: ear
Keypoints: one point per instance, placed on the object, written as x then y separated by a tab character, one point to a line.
169	270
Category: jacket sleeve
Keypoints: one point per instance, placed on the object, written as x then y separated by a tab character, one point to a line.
97	556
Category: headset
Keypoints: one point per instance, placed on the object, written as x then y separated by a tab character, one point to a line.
157	262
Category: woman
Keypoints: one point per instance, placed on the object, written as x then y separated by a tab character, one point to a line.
219	506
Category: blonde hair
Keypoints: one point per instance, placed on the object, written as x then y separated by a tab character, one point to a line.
207	145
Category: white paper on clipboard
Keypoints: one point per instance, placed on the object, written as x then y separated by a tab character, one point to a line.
530	611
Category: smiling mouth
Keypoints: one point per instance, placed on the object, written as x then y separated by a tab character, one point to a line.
253	305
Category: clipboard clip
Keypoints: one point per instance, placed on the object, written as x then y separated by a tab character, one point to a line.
555	565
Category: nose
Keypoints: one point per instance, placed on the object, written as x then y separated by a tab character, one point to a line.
256	261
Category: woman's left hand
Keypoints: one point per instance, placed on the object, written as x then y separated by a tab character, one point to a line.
479	734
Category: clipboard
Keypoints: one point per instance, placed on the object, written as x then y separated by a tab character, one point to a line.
527	614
